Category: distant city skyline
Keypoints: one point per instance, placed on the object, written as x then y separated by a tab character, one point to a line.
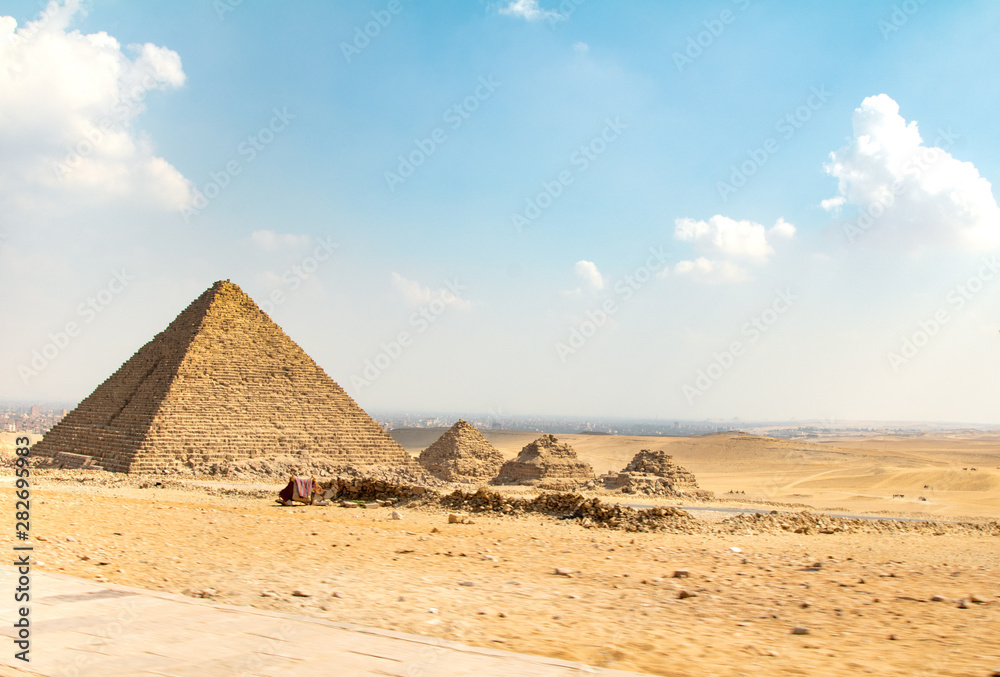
762	211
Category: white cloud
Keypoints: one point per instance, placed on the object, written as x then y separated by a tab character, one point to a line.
268	240
581	47
589	275
723	236
68	102
417	295
782	228
832	204
915	194
529	11
705	270
722	241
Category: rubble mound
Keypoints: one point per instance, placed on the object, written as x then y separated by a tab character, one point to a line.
810	523
588	512
654	473
546	463
462	455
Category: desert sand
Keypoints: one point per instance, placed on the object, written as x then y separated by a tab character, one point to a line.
865	600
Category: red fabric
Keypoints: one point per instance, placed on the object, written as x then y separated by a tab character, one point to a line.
303	487
286	493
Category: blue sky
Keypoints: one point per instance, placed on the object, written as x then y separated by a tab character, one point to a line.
603	132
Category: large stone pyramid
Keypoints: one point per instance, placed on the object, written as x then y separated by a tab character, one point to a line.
546	463
222	384
462	454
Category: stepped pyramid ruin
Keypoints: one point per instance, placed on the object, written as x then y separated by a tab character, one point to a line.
223	384
462	454
548	464
654	473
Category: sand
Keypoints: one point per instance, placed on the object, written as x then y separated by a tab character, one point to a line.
858	475
867	608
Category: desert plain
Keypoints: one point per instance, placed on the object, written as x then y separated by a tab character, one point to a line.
725	599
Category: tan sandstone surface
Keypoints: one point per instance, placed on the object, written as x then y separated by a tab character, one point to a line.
865	599
221	388
461	454
546	462
856	475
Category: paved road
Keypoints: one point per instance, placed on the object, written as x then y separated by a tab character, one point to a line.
81	628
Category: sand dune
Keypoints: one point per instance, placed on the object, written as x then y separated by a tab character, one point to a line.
858	474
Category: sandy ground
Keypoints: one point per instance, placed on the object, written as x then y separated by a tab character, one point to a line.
867	607
857	475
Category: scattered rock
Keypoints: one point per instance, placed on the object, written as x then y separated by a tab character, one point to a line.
338	594
682	573
939	598
800	630
685	594
268	593
559	571
977	599
396	515
467	584
301	593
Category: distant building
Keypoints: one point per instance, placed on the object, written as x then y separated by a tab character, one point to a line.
63	412
11	428
36	410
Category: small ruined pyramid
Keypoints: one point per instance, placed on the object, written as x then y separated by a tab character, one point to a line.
654	473
222	384
462	455
546	463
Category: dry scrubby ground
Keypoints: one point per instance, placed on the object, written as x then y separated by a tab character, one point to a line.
865	598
